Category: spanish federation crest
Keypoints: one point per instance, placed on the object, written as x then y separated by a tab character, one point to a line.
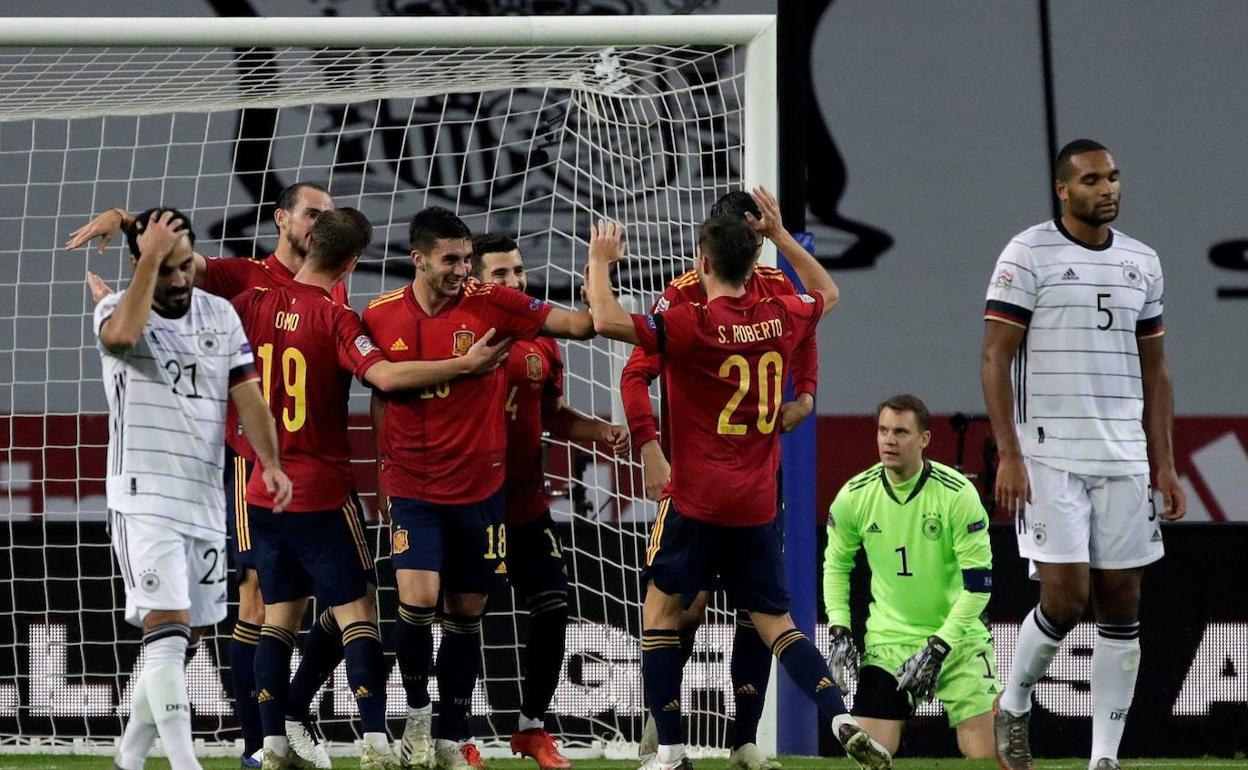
533	364
463	340
399	544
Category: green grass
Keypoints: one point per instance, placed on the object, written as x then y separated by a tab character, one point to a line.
23	761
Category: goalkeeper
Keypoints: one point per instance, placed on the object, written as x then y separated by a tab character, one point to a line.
925	533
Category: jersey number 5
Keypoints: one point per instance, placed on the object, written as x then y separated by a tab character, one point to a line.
770	384
294	381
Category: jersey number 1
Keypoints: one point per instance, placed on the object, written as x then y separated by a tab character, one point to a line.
770	384
294	381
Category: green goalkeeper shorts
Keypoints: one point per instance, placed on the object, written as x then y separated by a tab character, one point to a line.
968	679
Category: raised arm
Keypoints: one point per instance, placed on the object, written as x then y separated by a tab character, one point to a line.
121	331
605	248
1159	424
261	433
814	278
105	226
1001	341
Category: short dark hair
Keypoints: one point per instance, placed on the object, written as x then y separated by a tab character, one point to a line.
139	224
729	243
434	224
489	243
288	197
736	204
904	402
337	237
1062	166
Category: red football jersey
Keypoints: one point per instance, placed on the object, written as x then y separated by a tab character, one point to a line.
534	386
307	347
447	444
725	364
643	367
231	276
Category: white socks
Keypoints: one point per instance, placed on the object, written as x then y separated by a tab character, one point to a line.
1038	640
1115	664
524	723
140	732
671	754
164	682
378	742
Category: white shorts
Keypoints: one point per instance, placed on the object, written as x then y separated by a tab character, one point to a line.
1109	522
164	569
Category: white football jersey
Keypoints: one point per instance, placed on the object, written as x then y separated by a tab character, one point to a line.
1078	395
166	400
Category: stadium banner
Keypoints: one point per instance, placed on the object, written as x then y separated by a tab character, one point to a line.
58	654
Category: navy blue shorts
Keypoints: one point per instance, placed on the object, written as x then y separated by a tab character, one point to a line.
237	472
312	553
466	543
686	556
535	562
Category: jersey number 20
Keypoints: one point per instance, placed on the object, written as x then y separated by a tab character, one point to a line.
770	390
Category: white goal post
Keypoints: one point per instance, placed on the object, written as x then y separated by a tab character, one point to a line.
530	126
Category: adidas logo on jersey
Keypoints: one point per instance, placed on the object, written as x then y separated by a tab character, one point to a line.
874	529
824	683
398	345
673	705
1070	275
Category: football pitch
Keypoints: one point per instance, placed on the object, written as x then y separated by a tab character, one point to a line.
24	761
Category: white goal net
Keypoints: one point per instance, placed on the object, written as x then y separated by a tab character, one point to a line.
527	127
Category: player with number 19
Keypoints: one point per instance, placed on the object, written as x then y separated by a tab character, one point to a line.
925	534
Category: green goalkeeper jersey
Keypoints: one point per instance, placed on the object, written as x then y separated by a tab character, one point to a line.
927	545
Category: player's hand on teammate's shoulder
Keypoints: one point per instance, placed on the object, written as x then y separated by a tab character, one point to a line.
1013	490
770	224
484	357
1173	495
843	656
99	289
792	413
277	483
616	436
606	241
160	234
104	226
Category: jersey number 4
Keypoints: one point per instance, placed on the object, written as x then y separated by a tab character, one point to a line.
770	391
294	375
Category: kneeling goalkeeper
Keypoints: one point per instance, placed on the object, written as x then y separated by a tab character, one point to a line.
925	533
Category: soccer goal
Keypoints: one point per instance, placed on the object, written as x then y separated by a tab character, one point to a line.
528	126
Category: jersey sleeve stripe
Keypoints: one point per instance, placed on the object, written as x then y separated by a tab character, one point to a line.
1005	312
242	373
1149	327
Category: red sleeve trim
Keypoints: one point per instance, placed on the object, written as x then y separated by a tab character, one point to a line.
243	374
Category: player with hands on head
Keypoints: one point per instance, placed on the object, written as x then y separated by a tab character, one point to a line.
751	659
1077	389
172	358
536	567
442	461
298	206
717	524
